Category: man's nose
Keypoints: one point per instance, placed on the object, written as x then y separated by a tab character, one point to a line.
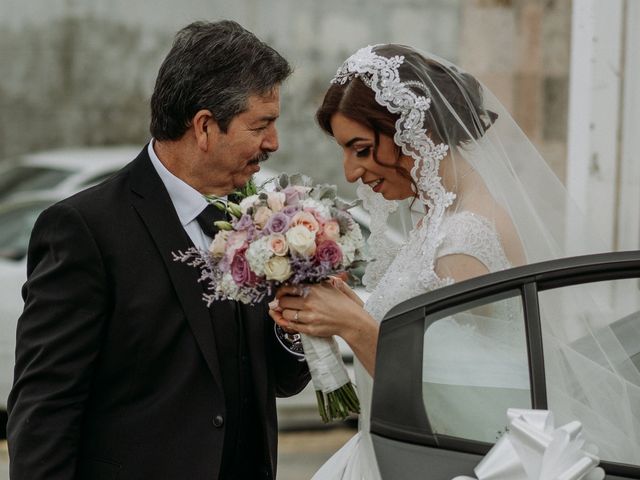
270	140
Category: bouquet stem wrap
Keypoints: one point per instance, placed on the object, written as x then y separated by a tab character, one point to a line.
533	449
335	393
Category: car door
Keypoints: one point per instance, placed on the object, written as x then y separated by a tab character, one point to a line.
450	362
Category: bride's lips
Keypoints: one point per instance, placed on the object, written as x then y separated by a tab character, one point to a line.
376	185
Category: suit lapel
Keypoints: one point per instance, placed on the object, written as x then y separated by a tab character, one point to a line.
153	204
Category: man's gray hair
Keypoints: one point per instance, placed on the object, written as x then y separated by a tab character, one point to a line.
216	67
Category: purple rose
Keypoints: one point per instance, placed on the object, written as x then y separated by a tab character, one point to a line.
277	223
240	270
244	223
329	251
291	210
292	196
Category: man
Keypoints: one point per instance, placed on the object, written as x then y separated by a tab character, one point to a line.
121	370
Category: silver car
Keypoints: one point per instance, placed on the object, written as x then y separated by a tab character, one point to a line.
423	423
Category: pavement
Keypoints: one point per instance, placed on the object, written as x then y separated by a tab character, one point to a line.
4	461
300	452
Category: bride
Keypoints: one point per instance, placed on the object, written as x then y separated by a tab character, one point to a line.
429	144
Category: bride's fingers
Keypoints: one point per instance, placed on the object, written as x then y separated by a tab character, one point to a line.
294	317
344	288
293	290
282	322
291	302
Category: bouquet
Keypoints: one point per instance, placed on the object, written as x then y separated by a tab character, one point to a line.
296	233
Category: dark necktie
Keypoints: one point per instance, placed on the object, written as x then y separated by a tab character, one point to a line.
207	217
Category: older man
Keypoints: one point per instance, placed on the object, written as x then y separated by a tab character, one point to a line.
121	369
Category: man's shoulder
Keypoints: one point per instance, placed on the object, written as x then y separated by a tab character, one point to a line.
111	191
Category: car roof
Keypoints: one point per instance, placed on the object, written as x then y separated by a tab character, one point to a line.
78	159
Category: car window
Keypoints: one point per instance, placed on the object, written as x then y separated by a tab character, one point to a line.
16	229
475	367
24	178
569	372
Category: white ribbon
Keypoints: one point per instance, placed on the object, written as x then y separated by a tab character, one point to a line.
532	449
325	363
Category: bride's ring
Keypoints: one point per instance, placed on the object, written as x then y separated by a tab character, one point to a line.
295	317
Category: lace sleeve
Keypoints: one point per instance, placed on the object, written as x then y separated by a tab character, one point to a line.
468	233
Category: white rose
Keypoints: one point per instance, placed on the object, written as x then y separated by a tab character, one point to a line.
301	240
262	215
219	243
278	269
276	200
248	202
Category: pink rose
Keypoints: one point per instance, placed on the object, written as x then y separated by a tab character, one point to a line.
306	219
235	241
330	230
240	270
278	244
329	252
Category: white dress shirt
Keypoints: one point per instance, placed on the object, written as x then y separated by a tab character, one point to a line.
187	201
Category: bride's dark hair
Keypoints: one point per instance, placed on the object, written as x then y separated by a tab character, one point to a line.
456	115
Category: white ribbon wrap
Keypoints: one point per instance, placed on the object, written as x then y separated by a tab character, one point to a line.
532	449
325	363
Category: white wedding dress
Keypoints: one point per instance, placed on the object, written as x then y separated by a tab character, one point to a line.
493	201
464	233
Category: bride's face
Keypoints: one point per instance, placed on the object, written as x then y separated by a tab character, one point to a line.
357	142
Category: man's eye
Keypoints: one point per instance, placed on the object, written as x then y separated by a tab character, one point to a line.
364	152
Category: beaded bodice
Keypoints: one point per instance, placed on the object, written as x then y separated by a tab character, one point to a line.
412	271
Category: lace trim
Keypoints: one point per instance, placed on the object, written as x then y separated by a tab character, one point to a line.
381	249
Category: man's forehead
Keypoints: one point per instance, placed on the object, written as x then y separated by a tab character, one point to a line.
267	105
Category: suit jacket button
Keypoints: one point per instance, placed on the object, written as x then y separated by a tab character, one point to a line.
218	420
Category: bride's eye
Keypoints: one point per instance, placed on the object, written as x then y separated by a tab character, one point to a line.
364	153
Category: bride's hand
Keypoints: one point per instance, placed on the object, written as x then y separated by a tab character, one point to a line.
321	310
275	312
346	289
325	309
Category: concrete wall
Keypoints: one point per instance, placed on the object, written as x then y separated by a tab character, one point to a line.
78	72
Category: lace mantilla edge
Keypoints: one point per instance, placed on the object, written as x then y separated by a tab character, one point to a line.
381	249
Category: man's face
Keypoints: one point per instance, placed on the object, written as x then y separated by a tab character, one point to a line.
251	136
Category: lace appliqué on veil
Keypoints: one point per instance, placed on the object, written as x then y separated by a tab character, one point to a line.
381	249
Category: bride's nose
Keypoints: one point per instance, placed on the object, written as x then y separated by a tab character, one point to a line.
352	171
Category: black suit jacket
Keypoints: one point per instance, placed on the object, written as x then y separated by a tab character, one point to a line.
117	373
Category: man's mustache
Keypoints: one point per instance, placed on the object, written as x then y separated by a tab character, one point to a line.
263	157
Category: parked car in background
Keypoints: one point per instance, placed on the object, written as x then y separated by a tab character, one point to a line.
61	172
28	185
425	420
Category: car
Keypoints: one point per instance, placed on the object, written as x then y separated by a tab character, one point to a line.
423	419
61	172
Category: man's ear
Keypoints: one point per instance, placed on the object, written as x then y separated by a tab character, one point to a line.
206	129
